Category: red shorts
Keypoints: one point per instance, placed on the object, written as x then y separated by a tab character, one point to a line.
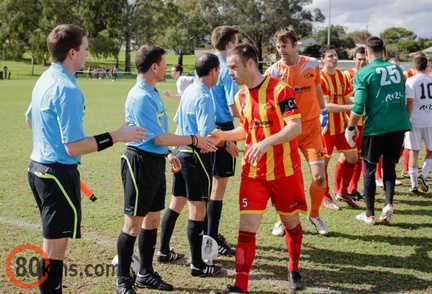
338	141
287	194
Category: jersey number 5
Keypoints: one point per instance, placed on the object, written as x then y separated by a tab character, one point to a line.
390	71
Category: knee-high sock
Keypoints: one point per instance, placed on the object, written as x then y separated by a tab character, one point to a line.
406	159
427	167
413	172
293	240
317	195
338	176
245	255
379	169
369	187
389	180
356	177
125	248
194	234
146	247
167	228
327	189
214	211
347	173
53	283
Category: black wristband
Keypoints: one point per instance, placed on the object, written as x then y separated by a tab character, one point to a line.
168	153
350	128
192	139
103	141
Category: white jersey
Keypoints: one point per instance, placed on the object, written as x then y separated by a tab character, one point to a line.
419	88
182	83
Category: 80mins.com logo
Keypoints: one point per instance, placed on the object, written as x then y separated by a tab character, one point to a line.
20	269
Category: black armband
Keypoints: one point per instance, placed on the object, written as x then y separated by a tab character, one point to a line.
350	128
103	141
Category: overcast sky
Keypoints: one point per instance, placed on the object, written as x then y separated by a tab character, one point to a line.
378	15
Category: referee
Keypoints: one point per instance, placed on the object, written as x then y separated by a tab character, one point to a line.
55	116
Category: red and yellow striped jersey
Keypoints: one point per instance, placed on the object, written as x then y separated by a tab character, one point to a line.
264	111
408	73
336	88
350	76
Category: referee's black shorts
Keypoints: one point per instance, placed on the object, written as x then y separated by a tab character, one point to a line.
144	183
194	181
56	189
223	164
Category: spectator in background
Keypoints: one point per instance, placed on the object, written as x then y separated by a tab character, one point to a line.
181	82
89	73
115	73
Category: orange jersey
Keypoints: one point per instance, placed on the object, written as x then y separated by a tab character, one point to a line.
263	112
336	88
304	78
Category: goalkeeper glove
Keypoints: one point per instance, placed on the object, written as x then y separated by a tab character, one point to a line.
351	135
324	120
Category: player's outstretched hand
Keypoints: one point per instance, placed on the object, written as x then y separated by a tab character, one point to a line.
205	144
128	133
167	93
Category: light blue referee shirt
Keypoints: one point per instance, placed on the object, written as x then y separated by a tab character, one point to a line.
144	108
196	111
57	111
223	93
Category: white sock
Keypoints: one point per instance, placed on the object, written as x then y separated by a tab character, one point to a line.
427	167
413	172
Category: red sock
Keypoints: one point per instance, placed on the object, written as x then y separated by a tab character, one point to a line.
293	240
326	195
378	174
347	173
406	159
356	177
245	255
337	176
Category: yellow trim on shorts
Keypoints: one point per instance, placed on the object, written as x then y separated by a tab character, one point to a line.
292	213
134	182
52	177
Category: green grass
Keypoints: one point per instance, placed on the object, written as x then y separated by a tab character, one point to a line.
353	258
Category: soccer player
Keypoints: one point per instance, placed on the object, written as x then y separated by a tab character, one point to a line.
269	124
302	74
337	96
418	95
143	172
379	92
192	185
55	116
224	160
182	82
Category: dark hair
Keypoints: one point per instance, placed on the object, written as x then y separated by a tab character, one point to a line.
222	35
375	45
205	63
63	38
285	34
178	67
420	63
325	48
245	51
147	55
360	50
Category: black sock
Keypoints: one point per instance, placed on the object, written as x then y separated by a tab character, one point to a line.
369	187
167	228
214	211
125	248
194	233
389	178
146	247
53	283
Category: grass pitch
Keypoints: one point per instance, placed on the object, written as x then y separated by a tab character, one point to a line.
353	258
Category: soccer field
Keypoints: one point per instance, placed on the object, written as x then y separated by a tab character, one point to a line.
353	258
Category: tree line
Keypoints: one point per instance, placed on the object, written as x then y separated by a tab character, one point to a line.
179	25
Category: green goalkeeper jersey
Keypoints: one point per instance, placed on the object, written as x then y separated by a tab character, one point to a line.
379	92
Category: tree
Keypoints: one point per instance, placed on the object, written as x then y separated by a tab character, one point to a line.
340	43
186	26
257	20
394	35
359	37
